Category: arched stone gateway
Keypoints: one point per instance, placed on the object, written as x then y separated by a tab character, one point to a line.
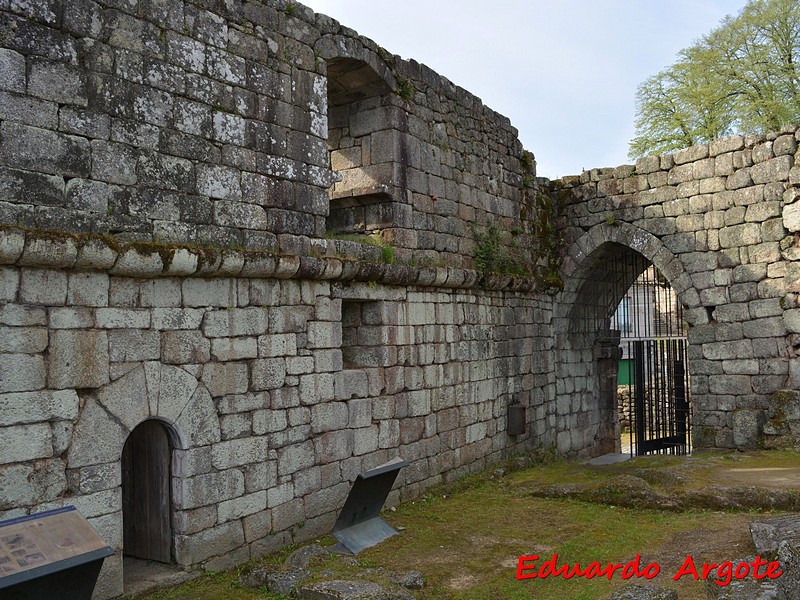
600	268
163	395
719	221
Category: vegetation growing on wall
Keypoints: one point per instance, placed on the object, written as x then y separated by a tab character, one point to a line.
494	255
529	250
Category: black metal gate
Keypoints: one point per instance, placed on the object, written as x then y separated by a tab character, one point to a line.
654	366
659	396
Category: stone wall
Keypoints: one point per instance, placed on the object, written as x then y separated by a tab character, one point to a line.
174	122
719	220
278	387
246	222
184	189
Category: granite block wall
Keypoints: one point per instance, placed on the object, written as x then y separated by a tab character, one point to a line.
719	222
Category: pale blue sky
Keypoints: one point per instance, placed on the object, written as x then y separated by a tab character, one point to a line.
564	71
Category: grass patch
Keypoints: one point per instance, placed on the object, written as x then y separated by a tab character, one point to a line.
466	537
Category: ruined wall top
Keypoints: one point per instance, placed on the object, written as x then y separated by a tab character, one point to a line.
230	124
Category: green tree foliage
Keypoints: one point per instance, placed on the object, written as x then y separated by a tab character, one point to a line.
742	77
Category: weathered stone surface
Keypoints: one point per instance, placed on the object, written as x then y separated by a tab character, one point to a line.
28	484
26	442
644	592
31	407
769	532
199	420
241	507
747	428
196	548
127	398
161	125
41	286
95	423
788	555
283	581
307	556
235	453
185	347
21	372
413	580
351	590
78	359
209	489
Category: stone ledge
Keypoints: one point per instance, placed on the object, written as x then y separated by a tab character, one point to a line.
86	252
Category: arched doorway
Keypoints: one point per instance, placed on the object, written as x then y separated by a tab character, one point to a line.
146	497
598	331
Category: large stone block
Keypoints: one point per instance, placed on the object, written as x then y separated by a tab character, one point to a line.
237	508
333	446
243	451
327	500
225	378
134	345
26	442
329	416
295	458
95	423
57	81
209	292
21	372
208	489
127	398
23	485
25	340
88	289
77	359
12	71
775	169
267	373
269	421
43	286
199	419
217	541
44	151
184	347
236	322
238	348
748	425
31	407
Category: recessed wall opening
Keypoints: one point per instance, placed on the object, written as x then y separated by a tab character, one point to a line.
362	214
370	334
652	377
627	342
360	201
146	493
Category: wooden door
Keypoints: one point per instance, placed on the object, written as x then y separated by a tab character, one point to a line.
147	532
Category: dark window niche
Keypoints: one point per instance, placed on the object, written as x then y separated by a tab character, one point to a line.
360	212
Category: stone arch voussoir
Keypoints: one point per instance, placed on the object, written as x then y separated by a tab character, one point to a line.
632	237
151	391
331	47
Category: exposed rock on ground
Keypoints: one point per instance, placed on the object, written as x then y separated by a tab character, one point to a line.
644	592
634	492
305	572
